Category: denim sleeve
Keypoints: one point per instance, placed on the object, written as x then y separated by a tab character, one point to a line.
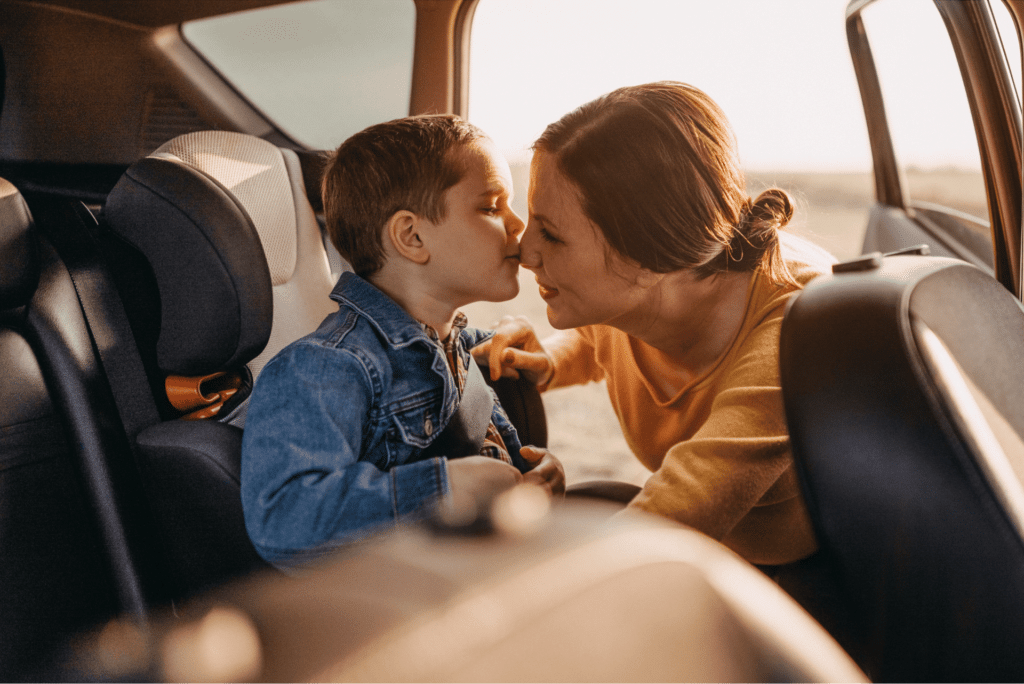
471	337
307	484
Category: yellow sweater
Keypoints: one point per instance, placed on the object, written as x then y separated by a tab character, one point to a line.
719	449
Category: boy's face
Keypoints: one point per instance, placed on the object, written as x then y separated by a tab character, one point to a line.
474	250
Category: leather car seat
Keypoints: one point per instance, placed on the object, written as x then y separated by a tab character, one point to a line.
904	392
218	264
223	183
73	543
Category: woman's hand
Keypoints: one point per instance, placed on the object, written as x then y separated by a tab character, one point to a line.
515	351
547	471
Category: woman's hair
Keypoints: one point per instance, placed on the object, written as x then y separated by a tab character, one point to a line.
656	169
405	164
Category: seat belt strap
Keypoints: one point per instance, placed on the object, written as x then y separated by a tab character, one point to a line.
70	231
465	432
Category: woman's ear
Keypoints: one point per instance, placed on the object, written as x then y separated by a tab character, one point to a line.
403	229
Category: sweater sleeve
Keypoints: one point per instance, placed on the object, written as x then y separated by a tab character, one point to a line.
714	479
572	353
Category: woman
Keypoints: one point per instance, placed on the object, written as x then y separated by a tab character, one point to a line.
669	282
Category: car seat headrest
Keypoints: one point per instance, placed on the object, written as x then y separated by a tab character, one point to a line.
18	252
253	171
214	290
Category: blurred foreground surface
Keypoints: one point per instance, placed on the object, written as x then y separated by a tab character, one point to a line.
542	593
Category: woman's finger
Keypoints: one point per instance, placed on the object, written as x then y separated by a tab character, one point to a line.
510	334
536	364
532	454
480	353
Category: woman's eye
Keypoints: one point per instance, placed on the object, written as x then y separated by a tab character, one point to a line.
490	210
548	237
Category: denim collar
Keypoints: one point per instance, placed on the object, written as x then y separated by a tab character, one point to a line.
394	323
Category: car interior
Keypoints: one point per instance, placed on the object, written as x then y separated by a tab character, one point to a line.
151	267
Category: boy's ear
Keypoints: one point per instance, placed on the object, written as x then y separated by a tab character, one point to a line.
403	229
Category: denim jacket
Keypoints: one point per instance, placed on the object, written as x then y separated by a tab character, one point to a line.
337	423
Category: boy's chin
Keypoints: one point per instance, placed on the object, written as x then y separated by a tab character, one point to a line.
502	294
511	294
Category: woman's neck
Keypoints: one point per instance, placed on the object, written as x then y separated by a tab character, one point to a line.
691	322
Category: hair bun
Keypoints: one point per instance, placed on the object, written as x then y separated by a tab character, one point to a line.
758	230
772	207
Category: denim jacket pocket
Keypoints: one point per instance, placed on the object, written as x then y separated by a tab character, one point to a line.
415	422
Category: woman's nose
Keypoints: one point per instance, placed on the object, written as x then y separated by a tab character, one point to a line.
529	255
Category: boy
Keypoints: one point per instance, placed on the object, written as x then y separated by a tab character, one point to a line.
348	428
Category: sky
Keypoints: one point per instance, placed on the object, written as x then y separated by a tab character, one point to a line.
781	71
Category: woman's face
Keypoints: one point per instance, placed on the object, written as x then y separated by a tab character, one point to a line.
581	278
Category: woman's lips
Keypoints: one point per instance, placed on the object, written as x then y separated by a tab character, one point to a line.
547	292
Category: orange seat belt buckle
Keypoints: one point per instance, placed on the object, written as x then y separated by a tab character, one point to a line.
201	396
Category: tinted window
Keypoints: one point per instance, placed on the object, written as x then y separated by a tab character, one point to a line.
320	70
929	116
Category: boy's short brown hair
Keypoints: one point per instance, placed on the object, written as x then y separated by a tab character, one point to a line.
405	164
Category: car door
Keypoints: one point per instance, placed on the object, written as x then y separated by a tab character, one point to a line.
944	128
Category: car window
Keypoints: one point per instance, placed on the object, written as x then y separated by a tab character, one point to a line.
321	70
781	72
929	117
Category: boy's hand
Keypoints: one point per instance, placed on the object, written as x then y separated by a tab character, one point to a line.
514	350
480	477
547	470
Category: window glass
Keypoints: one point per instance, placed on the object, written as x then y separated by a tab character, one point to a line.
1011	41
781	71
926	106
321	70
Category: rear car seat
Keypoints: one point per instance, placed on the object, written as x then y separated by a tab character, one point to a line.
183	209
220	264
74	548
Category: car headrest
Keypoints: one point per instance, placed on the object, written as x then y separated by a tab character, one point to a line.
214	283
253	170
18	253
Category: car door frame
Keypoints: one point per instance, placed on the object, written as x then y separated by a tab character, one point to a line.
997	121
440	78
